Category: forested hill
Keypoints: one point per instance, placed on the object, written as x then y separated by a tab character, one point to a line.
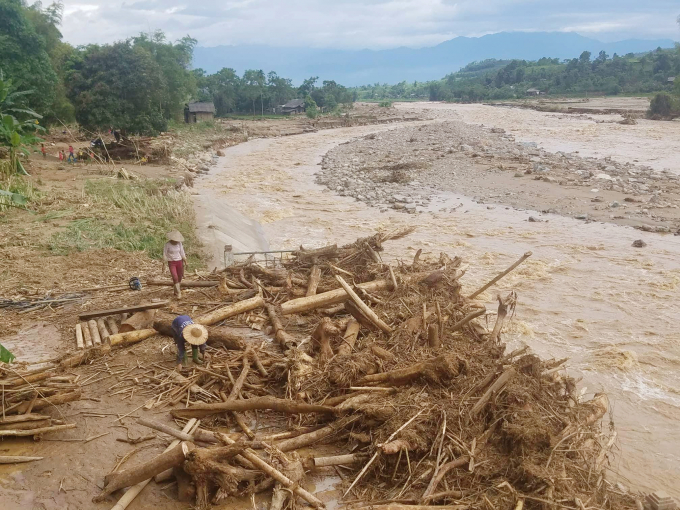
503	79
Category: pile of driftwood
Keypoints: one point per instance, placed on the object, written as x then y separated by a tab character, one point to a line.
399	370
25	393
152	149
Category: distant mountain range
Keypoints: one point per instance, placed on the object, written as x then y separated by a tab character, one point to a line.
362	67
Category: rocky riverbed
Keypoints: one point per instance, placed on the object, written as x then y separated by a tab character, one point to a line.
403	169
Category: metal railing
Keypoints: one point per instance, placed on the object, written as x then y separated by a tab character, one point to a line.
269	256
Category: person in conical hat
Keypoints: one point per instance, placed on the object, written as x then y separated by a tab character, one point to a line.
174	256
184	330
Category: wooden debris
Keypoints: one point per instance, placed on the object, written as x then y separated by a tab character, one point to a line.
95	314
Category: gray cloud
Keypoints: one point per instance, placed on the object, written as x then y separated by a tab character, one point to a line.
359	24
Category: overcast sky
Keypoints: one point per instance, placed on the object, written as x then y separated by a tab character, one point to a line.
357	24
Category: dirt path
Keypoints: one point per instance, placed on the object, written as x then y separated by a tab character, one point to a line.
586	293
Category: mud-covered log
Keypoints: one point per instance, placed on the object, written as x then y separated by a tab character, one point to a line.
322	336
103	331
332	297
275	404
310	438
5	459
284	339
314	277
36	432
327	252
349	338
113	326
230	310
131	337
438	369
56	400
132	476
138	321
363	306
185	284
502	380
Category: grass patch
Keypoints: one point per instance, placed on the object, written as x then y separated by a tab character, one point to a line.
131	216
16	184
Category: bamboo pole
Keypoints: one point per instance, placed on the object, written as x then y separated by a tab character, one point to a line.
501	275
332	297
4	459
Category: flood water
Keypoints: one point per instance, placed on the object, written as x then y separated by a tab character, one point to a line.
586	293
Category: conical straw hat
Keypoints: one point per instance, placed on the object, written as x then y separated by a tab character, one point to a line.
175	236
195	334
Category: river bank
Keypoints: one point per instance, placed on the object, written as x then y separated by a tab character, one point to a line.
586	293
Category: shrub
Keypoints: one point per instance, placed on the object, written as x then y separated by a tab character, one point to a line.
385	104
661	106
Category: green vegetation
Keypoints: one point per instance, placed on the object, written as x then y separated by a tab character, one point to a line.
131	216
135	86
18	125
385	104
312	110
502	79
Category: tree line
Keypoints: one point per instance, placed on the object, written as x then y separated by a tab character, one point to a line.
137	85
510	79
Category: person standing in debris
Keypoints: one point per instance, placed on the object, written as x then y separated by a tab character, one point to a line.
173	254
71	157
42	149
184	329
61	155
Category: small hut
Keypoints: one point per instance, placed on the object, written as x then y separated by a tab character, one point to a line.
199	112
294	106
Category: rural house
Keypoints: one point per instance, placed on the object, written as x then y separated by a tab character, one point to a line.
533	92
199	112
671	79
294	106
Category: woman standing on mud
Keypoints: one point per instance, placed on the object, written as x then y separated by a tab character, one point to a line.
173	254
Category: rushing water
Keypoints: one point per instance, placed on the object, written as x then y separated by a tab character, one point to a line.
585	293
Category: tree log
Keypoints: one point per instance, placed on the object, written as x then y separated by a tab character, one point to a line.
103	332
337	460
80	342
442	367
113	327
132	337
229	311
322	336
349	338
472	315
137	322
23	418
332	297
216	336
310	438
314	277
325	252
284	339
87	337
4	459
26	425
492	391
363	306
276	404
433	336
145	471
35	432
503	306
42	403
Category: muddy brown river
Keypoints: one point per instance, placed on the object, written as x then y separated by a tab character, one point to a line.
586	293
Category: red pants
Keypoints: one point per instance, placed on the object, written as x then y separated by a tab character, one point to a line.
176	270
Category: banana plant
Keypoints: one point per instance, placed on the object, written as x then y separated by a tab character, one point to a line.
18	125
